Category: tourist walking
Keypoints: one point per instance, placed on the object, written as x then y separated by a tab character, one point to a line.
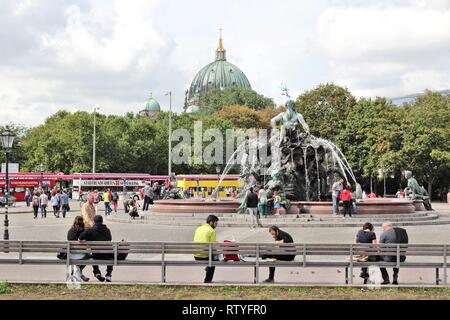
392	235
88	212
336	190
206	233
99	232
28	196
252	207
115	200
64	199
366	235
74	235
107	201
346	199
35	201
96	198
43	202
55	204
280	237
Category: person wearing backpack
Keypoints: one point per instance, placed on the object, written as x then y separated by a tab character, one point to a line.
115	200
392	235
277	202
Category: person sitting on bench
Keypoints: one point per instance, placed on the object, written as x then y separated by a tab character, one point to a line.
280	237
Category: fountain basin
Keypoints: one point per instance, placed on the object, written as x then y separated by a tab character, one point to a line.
366	206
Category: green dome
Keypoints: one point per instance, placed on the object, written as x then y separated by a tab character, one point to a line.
193	109
219	74
152	105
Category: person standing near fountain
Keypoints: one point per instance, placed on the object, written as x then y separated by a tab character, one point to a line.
262	205
252	206
346	199
336	190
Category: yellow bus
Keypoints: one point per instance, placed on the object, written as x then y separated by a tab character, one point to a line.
204	185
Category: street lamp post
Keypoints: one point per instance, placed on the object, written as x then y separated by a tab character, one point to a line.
93	143
7	143
170	132
218	170
41	170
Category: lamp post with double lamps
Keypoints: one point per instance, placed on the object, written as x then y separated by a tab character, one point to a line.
7	144
96	108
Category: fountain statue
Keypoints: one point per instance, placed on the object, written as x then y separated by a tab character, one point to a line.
302	166
416	192
171	191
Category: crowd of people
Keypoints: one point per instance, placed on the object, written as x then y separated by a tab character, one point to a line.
40	199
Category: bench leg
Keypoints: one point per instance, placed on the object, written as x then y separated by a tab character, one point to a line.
346	275
437	276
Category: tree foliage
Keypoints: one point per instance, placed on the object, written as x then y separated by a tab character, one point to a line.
241	116
215	99
325	109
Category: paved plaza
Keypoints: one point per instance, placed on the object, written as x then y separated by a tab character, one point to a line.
24	227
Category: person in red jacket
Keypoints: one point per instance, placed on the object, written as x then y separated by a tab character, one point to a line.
346	199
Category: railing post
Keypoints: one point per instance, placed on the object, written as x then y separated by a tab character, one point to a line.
256	280
210	254
445	264
437	276
68	260
346	275
20	252
351	264
163	264
398	256
115	253
304	255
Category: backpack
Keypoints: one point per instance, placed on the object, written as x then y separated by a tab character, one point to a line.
402	237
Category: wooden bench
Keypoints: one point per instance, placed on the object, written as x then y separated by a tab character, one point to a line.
165	254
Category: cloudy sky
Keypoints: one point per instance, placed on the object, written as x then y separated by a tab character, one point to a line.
68	54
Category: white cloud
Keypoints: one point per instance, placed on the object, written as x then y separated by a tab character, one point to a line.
404	45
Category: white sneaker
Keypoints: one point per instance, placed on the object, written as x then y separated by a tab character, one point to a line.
108	278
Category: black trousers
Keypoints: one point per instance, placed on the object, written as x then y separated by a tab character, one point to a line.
385	274
209	270
281	258
109	270
347	209
35	211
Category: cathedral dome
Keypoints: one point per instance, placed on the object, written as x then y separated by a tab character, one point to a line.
152	105
219	74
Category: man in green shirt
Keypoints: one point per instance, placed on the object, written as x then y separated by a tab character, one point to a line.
206	233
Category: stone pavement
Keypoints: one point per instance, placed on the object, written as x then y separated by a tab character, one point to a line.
24	227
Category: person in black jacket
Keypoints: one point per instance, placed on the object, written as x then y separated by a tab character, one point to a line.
99	232
280	237
73	235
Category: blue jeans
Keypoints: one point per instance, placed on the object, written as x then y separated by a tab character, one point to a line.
43	210
335	203
107	208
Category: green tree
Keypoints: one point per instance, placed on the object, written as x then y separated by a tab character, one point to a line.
371	139
426	136
241	116
325	109
215	99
